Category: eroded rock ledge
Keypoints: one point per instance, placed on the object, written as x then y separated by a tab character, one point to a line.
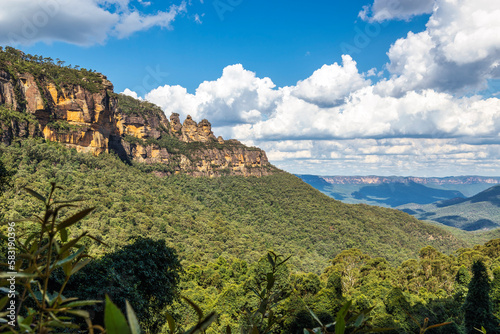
99	121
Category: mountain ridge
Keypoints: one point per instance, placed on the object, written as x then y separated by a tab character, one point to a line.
78	108
478	212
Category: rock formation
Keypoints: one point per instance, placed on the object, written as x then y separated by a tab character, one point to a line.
93	119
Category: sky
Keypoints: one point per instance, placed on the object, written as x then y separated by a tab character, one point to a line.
362	87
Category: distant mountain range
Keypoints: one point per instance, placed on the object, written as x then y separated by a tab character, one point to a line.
392	191
467	202
479	212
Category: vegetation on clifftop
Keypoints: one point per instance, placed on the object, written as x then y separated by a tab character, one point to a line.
44	68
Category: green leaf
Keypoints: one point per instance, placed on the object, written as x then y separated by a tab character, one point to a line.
79	266
315	317
64	235
72	243
203	324
81	303
288	258
196	307
270	281
35	194
20	275
114	320
69	258
171	323
75	218
79	313
4	302
359	321
132	319
270	259
340	320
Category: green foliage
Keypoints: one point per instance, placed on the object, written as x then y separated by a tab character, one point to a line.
134	107
263	317
347	320
477	306
7	115
205	218
35	258
63	126
15	61
146	273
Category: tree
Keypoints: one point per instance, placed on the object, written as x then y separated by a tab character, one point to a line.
477	306
4	178
145	273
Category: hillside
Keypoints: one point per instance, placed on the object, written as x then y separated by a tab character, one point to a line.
53	117
479	212
207	217
78	108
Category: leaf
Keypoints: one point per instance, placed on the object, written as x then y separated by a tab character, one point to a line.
72	243
35	194
288	258
132	319
340	320
439	325
270	281
171	323
64	235
315	317
79	266
69	258
75	218
4	301
20	275
81	303
79	313
196	307
270	259
114	320
359	321
204	324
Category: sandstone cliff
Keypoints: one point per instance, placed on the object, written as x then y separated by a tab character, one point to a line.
79	109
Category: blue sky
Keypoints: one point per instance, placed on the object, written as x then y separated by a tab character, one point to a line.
329	87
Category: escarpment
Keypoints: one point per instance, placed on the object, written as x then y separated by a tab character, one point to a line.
79	109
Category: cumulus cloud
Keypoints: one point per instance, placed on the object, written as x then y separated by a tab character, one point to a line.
237	97
382	10
422	119
83	22
458	52
331	84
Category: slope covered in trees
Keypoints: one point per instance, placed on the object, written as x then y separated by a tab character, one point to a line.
204	218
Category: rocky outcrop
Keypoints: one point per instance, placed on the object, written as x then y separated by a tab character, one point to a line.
98	121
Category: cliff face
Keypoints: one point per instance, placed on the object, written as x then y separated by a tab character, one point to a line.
93	119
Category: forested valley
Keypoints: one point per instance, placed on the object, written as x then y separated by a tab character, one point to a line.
220	244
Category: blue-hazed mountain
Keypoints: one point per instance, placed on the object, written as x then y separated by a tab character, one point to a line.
393	191
479	212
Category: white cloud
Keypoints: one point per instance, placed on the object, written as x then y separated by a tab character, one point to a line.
331	84
237	97
83	22
136	21
382	10
457	53
421	120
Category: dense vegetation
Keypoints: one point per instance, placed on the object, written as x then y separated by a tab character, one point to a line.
16	62
221	229
134	107
204	218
